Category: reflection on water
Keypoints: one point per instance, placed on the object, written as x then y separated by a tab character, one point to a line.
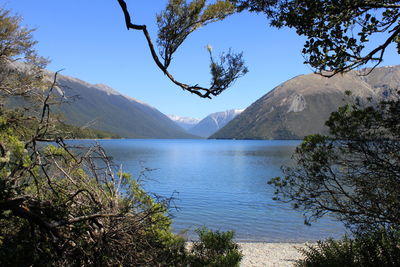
221	184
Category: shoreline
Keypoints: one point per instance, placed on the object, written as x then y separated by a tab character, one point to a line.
257	254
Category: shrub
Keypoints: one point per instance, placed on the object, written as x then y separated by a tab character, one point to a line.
380	248
215	249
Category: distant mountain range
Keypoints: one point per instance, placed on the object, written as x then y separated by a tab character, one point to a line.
184	122
98	106
213	122
207	126
301	106
292	110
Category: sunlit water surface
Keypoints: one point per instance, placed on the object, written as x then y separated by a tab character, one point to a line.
221	184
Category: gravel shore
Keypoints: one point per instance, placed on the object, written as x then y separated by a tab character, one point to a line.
270	254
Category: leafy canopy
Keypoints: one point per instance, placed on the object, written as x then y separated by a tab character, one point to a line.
352	174
337	31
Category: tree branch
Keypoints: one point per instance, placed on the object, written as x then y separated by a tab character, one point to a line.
370	56
198	90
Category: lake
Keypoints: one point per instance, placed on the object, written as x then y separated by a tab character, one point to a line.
221	184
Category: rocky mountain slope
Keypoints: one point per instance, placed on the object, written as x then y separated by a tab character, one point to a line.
301	106
213	122
100	107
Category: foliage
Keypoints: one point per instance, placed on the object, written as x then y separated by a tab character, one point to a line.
352	174
180	18
337	31
16	44
379	248
175	23
215	249
226	71
58	209
63	206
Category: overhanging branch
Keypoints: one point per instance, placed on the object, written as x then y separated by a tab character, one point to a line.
198	90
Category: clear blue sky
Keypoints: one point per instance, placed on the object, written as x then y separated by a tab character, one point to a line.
89	40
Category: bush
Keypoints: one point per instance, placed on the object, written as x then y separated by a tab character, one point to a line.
353	173
215	249
70	206
381	248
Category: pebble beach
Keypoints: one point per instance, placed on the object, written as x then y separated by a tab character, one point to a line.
270	254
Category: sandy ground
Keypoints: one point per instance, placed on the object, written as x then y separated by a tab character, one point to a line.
270	254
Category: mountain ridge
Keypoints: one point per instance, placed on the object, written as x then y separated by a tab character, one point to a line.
301	105
213	122
104	108
184	122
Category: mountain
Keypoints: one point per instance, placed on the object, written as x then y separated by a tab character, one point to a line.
101	107
184	122
213	122
301	106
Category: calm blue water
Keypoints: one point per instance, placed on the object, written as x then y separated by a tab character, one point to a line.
221	184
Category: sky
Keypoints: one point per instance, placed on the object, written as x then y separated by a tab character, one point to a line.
88	40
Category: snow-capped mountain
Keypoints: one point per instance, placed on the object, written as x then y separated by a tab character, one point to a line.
214	122
184	122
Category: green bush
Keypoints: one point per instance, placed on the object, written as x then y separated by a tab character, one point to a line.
215	249
64	206
380	248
